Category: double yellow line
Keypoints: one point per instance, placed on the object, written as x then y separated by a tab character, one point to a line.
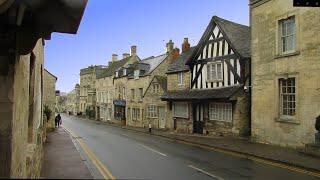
93	158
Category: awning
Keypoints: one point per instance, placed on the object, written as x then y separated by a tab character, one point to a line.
206	94
119	103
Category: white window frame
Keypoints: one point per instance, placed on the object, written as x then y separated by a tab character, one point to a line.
136	74
181	79
135	113
215	110
284	37
185	110
140	91
213	72
291	97
152	111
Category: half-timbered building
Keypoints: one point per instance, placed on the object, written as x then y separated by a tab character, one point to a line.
219	70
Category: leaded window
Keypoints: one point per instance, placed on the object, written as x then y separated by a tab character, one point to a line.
180	109
220	112
214	71
152	111
287	97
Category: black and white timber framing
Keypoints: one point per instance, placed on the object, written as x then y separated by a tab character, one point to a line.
220	44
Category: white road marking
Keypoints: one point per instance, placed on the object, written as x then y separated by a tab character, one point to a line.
205	172
153	150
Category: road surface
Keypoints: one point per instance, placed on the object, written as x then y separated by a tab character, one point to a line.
125	154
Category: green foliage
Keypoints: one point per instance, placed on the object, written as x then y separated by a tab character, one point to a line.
47	111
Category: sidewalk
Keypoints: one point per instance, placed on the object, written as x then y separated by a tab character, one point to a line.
61	158
242	146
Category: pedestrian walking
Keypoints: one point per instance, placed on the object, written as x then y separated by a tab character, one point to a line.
57	120
150	127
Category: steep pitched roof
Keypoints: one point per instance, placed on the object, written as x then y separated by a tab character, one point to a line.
162	80
110	70
180	63
238	37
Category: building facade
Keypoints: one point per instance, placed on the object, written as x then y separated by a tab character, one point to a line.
219	69
87	97
285	72
49	94
22	37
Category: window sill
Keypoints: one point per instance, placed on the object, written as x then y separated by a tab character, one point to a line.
222	121
287	55
180	117
288	121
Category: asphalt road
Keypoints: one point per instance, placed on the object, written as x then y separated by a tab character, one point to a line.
133	155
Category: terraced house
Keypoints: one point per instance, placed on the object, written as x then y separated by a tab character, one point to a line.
219	69
142	110
88	78
285	72
110	87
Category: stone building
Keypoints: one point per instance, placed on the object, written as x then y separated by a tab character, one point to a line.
178	81
139	79
108	85
285	72
156	110
71	104
219	72
87	98
49	94
22	35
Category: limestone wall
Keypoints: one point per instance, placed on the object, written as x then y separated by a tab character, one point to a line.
268	66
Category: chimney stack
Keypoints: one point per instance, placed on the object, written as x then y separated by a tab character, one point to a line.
170	45
175	53
185	45
125	55
114	57
133	50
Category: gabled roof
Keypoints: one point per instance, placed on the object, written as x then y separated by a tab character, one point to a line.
149	64
110	70
179	64
205	94
237	35
162	80
51	74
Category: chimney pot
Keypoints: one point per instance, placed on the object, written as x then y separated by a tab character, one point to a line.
133	50
185	45
114	57
170	45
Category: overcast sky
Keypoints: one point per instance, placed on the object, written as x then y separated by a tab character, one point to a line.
112	26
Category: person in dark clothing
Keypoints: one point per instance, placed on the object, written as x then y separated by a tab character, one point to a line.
57	120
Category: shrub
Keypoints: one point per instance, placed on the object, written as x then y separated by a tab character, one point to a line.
47	111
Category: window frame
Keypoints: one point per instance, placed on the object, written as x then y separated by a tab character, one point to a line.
221	108
281	40
140	91
154	112
180	78
174	109
209	71
281	98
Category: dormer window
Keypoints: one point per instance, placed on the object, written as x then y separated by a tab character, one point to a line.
136	74
117	73
124	72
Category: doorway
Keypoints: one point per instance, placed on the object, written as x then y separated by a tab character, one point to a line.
198	112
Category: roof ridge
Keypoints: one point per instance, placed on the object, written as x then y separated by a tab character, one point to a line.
229	21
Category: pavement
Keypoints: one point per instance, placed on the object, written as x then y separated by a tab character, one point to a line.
242	146
131	153
62	160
